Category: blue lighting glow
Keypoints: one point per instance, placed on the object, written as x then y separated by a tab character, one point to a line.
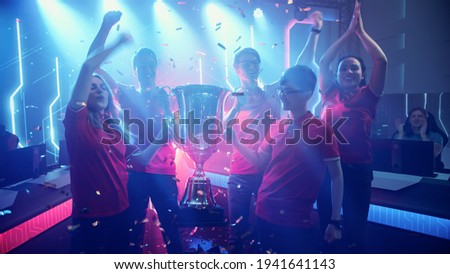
12	107
50	108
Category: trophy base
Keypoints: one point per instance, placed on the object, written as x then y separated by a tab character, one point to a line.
206	216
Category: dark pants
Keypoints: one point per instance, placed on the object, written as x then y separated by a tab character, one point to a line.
106	235
356	202
242	191
163	191
287	240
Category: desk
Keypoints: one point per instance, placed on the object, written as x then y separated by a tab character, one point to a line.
38	205
422	207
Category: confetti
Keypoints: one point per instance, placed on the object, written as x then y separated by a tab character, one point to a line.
119	72
179	28
218	28
165	44
274	45
236	50
97	192
5	212
262	43
239	38
118	27
218	24
242	12
222	46
73	227
95	223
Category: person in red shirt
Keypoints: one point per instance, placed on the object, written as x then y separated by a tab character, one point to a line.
98	157
97	165
154	179
295	154
348	97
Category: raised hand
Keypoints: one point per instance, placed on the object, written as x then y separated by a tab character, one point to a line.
111	18
316	20
423	128
356	18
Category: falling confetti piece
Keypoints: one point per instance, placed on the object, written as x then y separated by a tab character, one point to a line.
201	53
236	50
179	28
239	38
72	227
222	46
97	192
218	24
27	191
165	44
242	12
118	27
119	72
274	45
239	219
5	212
218	28
95	223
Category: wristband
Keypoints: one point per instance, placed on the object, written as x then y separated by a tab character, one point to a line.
336	223
315	30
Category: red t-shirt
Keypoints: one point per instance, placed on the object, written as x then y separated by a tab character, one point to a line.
97	171
293	176
240	165
145	107
360	110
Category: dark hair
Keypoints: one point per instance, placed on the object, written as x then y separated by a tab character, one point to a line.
144	51
238	55
301	75
361	62
407	129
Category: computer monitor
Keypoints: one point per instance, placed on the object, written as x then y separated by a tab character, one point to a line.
403	156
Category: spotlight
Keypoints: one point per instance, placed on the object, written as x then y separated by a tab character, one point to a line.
258	13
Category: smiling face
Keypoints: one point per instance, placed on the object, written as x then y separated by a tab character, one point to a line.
145	68
98	96
247	66
349	73
417	119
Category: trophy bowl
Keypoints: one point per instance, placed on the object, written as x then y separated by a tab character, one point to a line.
198	130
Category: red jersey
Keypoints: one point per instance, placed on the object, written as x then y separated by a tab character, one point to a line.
293	176
360	110
97	171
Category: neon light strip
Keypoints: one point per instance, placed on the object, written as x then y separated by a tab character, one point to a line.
227	80
440	112
425	100
252	36
12	106
27	230
50	108
406	105
200	68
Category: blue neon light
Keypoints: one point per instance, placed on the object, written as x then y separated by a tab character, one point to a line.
50	108
12	106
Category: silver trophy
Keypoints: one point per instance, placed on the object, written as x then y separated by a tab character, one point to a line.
198	127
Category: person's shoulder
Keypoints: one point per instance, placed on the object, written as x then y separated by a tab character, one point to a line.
435	137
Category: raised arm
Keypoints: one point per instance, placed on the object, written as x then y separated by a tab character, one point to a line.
81	90
109	20
325	70
378	75
307	56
